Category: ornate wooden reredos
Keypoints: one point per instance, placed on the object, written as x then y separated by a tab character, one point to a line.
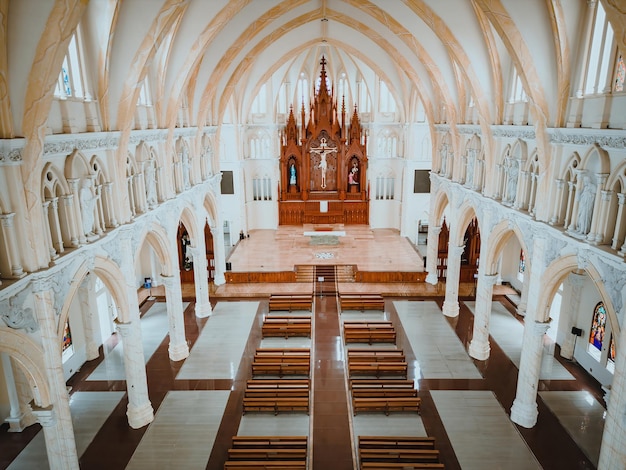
323	165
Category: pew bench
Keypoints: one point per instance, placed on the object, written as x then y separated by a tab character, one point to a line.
369	336
282	352
361	302
396	442
296	358
399	455
378	369
383	392
268	384
285	329
280	369
382	383
401	466
386	405
275	404
276	393
264	465
376	357
266	454
290	302
278	442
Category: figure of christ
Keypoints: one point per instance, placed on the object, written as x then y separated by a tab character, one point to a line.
322	151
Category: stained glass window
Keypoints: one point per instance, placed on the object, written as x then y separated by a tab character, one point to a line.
67	337
620	74
596	335
610	364
522	262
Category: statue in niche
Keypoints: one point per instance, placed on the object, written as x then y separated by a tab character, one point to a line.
469	178
353	174
444	159
511	181
322	151
88	200
185	163
292	174
151	193
585	206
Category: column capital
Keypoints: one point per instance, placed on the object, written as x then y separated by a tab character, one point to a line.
621	198
607	195
7	219
168	281
123	328
540	328
490	279
45	416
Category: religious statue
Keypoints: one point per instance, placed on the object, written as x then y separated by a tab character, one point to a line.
87	205
353	175
185	161
469	175
292	174
511	181
322	151
585	206
151	194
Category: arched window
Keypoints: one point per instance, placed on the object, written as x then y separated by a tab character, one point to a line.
600	54
67	348
72	80
620	74
517	93
596	334
387	102
259	105
521	267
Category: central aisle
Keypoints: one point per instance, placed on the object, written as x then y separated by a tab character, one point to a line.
332	443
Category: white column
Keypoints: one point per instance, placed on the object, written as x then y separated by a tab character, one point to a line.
620	222
70	219
201	278
108	191
55	226
569	211
13	251
89	310
139	410
524	410
220	254
45	206
57	421
523	304
451	302
479	346
178	348
594	229
432	253
602	223
558	201
78	218
569	307
16	416
613	448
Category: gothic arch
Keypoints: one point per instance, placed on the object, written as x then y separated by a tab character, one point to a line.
439	206
188	219
210	206
53	180
156	236
464	216
498	238
556	273
77	165
572	163
29	355
598	156
110	275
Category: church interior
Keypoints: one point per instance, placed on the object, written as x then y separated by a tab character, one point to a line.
312	234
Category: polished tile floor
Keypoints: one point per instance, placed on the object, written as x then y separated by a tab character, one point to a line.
465	403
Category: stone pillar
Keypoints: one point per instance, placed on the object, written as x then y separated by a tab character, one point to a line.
451	302
524	410
571	301
78	218
70	219
595	230
620	223
110	215
89	310
220	254
201	278
139	409
569	211
432	253
16	416
55	227
613	448
558	201
523	303
602	223
178	348
45	207
57	420
13	250
479	346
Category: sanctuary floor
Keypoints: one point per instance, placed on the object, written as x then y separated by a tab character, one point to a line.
197	402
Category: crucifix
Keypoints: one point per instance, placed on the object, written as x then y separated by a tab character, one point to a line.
322	151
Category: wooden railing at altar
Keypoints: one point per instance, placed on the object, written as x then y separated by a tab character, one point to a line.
308	212
245	277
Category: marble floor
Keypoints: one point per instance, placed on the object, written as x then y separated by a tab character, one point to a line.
197	402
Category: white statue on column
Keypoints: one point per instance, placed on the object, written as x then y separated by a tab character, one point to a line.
511	181
151	194
586	199
185	163
87	206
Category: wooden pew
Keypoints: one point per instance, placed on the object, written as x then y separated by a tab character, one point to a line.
280	369
361	302
290	302
396	442
266	454
386	405
264	384
369	332
276	404
383	393
399	455
376	356
378	369
304	352
279	442
401	466
264	465
285	329
381	383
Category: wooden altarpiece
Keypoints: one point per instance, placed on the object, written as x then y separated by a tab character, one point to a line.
323	165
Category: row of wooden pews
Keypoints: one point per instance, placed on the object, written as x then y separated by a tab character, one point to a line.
269	391
358	301
407	453
290	302
369	332
390	390
267	452
285	326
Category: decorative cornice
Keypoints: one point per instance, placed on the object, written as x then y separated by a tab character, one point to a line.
11	150
515	132
470	129
605	138
67	143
